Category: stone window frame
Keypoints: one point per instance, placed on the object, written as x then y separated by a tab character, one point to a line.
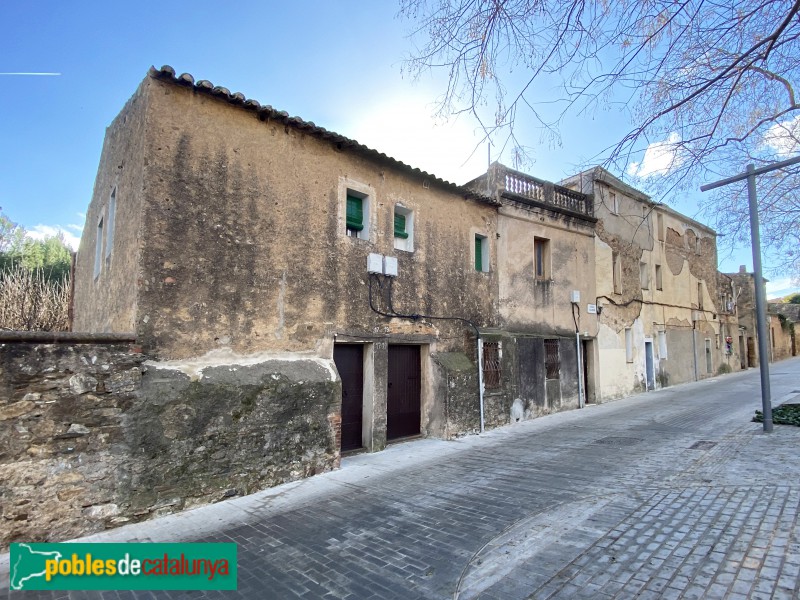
542	244
404	244
485	251
351	187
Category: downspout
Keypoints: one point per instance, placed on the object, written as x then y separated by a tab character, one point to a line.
694	349
480	374
580	369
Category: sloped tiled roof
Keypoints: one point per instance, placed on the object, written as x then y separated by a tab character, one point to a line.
266	112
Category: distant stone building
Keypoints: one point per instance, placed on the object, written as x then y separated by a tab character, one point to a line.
659	299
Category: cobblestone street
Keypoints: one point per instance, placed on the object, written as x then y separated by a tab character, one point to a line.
669	494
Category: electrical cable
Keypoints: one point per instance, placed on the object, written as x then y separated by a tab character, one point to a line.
413	316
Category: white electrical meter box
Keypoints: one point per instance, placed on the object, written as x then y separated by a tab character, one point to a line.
390	266
375	263
575	296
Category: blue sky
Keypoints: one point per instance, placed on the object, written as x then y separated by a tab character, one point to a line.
337	63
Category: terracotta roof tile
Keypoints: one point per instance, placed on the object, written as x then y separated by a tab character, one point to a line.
167	73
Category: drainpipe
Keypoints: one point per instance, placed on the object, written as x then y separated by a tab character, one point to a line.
694	350
480	373
580	369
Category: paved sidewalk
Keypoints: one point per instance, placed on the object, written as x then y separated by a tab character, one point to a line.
670	494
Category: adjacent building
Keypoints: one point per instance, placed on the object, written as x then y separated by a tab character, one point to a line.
663	314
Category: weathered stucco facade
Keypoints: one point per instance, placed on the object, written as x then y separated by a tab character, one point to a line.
545	256
231	246
658	292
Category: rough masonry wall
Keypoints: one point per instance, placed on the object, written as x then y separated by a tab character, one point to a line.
91	437
456	386
246	244
64	456
106	303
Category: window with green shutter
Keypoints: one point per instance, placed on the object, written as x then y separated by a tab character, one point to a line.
478	253
400	226
355	213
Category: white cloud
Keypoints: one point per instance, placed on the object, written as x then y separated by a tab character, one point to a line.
403	127
659	159
780	288
40	232
784	137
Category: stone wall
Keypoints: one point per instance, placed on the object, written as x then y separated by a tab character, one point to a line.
93	436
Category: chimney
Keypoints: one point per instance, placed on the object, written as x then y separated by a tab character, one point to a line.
742	268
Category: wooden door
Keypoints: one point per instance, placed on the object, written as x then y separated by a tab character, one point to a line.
403	393
349	359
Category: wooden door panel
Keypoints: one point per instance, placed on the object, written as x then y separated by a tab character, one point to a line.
349	359
403	392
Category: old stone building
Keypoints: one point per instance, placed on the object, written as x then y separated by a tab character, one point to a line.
788	321
663	317
545	251
244	247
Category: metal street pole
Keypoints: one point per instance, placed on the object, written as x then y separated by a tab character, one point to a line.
761	294
761	309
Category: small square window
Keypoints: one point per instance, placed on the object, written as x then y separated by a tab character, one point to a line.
481	253
355	215
356	201
541	258
403	228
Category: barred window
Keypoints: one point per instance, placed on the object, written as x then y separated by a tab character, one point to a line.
491	365
551	362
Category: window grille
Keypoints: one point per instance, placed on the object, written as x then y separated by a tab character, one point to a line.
491	365
551	361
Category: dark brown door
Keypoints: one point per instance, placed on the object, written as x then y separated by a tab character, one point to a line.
402	411
349	359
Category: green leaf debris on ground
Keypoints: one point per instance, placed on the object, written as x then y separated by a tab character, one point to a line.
788	414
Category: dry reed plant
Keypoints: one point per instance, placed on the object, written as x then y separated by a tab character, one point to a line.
29	302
